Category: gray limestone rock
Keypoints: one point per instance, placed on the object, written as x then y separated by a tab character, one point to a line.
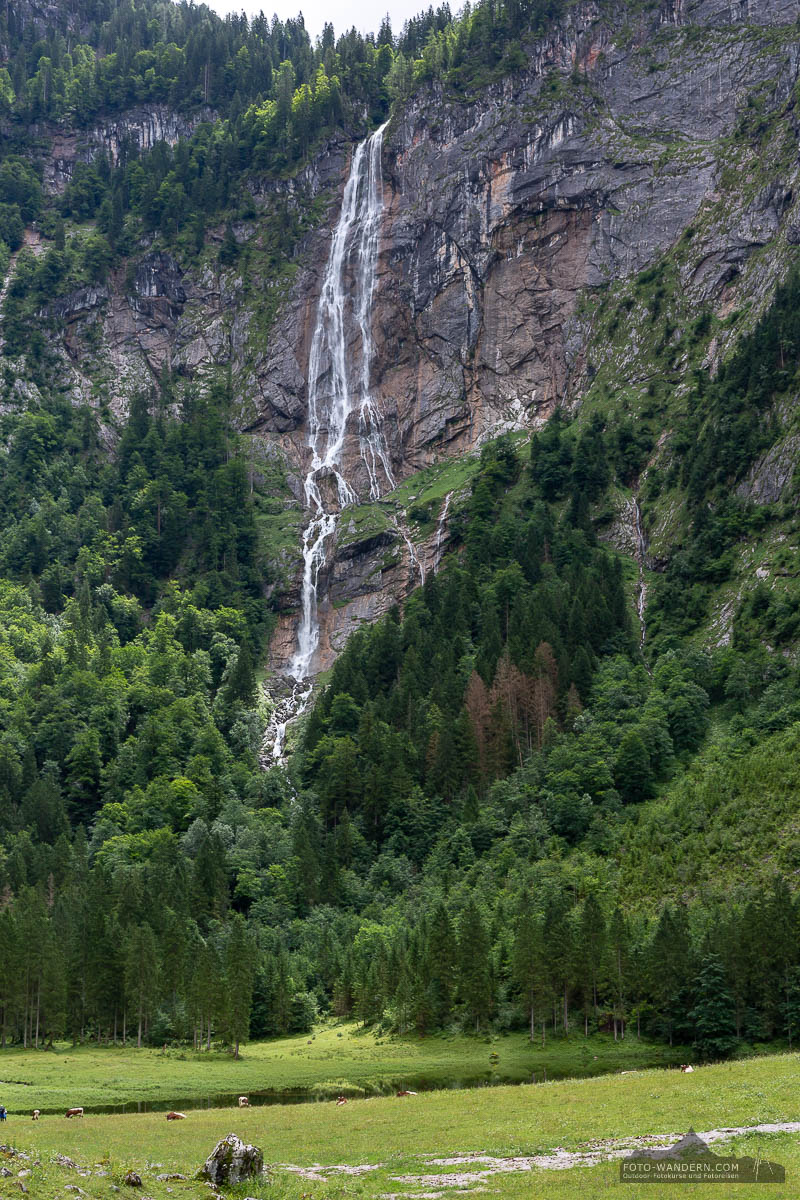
232	1161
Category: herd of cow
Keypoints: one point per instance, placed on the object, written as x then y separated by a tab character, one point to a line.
244	1103
179	1116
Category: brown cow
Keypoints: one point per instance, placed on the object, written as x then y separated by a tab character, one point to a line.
244	1102
176	1116
36	1114
686	1069
341	1100
405	1093
74	1112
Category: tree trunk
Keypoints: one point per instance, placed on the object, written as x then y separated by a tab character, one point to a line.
532	1018
139	1033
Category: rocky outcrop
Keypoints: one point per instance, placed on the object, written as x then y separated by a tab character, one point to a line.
232	1161
506	219
503	212
77	304
770	476
134	131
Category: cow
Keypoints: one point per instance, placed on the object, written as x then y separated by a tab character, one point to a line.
176	1116
341	1100
35	1116
406	1093
244	1102
686	1069
74	1112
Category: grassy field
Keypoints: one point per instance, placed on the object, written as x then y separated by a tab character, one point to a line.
335	1058
394	1138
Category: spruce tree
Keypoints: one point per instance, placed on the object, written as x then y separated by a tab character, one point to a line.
239	979
713	1012
474	965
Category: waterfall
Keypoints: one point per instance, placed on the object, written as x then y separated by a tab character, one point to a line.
437	550
339	381
414	561
285	711
641	591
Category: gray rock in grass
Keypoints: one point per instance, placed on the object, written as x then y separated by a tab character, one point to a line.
232	1161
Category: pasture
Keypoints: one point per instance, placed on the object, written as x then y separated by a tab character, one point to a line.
336	1057
396	1142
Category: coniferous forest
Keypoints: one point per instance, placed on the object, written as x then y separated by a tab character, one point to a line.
502	811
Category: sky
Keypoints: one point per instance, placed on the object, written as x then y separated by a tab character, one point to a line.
366	15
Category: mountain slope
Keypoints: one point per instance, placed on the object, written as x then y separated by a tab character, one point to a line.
585	358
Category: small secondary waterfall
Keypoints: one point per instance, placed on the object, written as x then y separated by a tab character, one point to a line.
339	381
437	550
414	560
641	559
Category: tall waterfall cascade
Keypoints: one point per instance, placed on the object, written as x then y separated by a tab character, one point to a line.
339	395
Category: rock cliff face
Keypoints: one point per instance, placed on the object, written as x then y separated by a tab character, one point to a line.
502	212
138	130
507	219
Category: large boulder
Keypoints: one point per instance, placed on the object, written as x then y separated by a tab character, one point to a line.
231	1161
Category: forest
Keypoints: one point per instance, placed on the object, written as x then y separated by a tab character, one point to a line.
446	846
501	809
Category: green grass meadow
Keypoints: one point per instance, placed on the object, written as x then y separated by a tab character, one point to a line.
397	1137
335	1058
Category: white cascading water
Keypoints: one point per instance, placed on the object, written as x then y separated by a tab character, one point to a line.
437	551
338	387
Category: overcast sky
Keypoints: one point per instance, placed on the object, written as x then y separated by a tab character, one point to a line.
366	15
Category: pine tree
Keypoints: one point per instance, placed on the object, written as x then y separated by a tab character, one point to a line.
239	979
141	975
440	954
528	968
713	1012
590	951
474	965
632	773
